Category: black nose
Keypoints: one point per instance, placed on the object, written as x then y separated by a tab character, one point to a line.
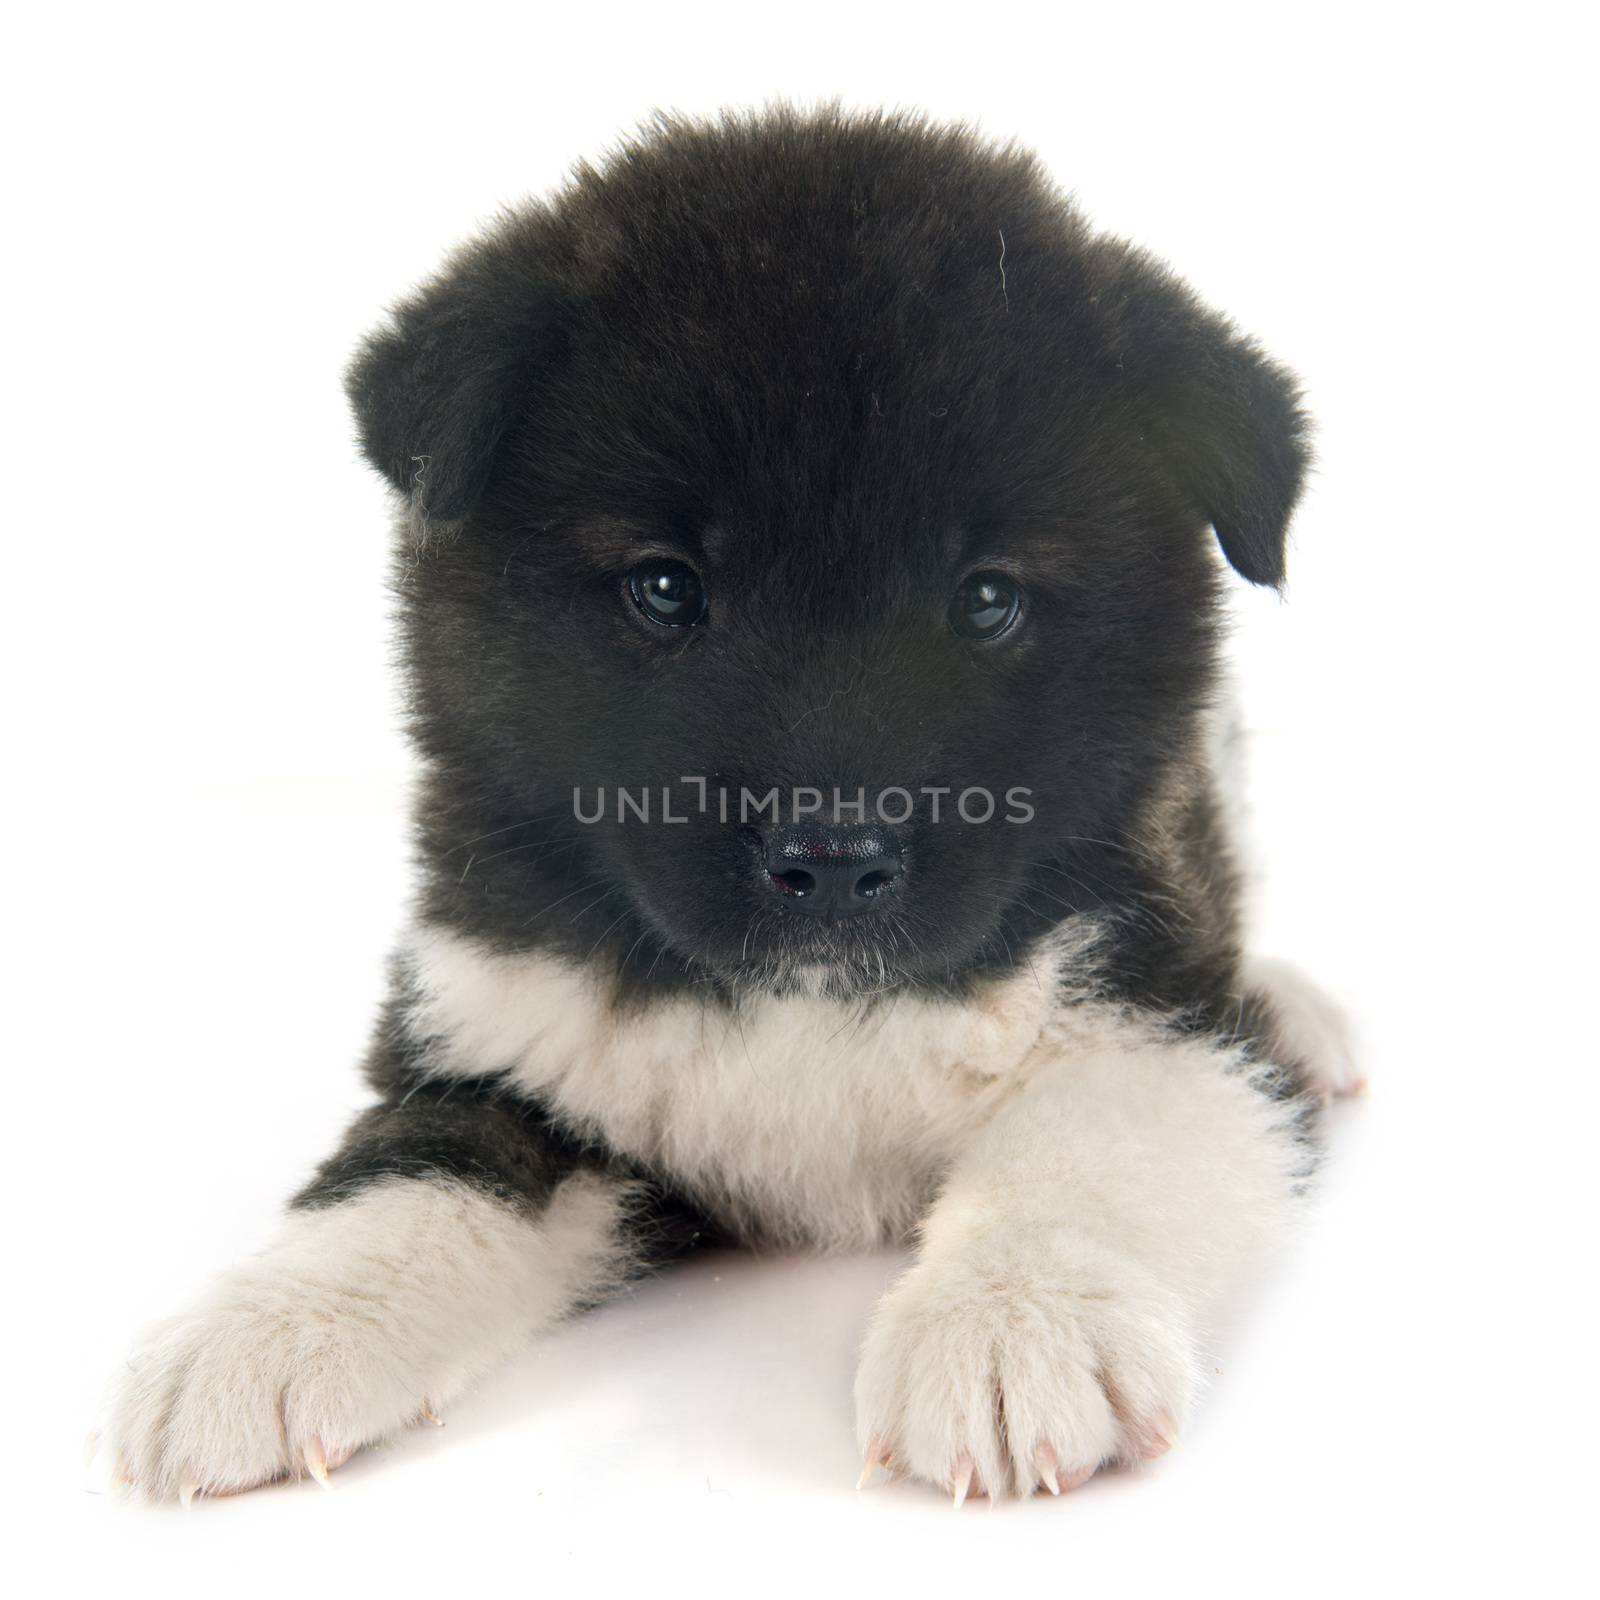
831	871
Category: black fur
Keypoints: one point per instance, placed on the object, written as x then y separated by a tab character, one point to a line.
460	1131
832	362
472	1132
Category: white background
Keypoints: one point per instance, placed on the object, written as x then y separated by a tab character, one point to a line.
206	858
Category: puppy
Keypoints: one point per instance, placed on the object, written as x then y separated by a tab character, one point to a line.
809	603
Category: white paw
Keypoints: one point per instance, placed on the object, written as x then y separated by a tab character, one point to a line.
989	1375
362	1317
359	1319
1311	1026
272	1375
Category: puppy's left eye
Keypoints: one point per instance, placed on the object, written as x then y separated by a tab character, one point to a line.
668	592
986	604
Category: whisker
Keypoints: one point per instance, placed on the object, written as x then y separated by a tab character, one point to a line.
563	900
495	833
604	931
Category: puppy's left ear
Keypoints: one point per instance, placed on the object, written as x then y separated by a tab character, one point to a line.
1225	419
437	387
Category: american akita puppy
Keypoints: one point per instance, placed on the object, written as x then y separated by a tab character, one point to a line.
808	577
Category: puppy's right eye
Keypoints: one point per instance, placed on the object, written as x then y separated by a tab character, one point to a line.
985	606
668	592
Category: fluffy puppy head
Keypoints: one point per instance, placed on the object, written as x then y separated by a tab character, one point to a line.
821	454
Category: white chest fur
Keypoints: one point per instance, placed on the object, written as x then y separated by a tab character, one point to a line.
801	1119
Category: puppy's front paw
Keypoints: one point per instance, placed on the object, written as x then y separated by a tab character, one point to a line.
283	1370
984	1373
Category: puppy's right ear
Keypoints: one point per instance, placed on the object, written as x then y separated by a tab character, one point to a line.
1225	420
436	388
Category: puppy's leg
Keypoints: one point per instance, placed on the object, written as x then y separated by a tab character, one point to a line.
443	1232
1049	1325
1307	1026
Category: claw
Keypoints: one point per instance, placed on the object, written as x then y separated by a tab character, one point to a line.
317	1461
1156	1437
877	1456
1044	1461
962	1486
187	1490
429	1415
